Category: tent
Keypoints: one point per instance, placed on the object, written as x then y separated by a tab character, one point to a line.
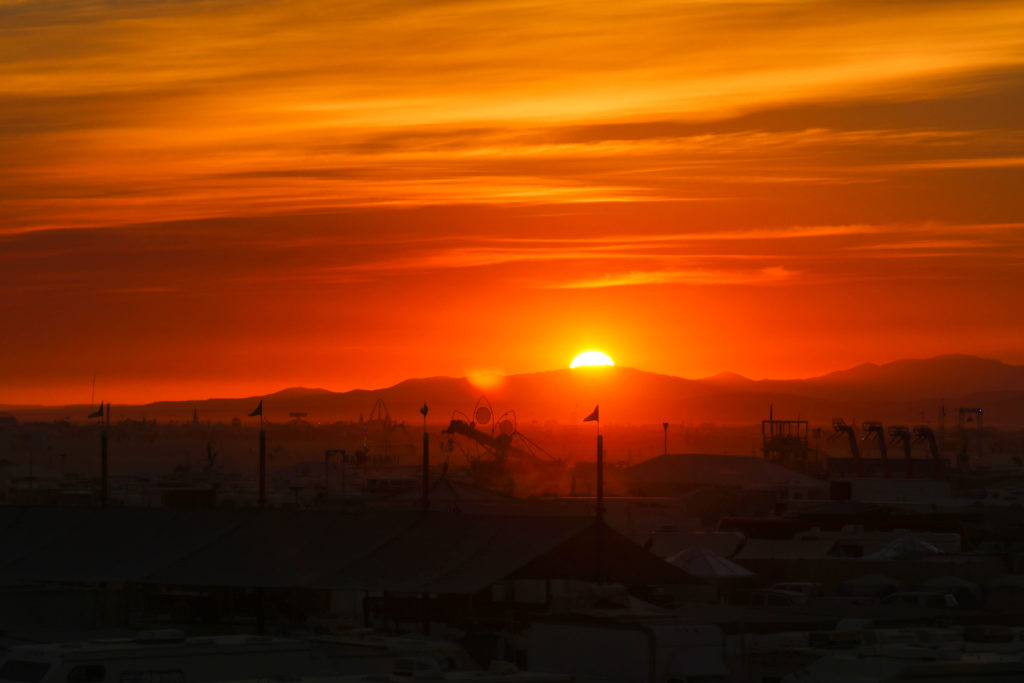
905	548
708	564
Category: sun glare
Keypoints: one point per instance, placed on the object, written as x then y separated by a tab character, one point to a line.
591	358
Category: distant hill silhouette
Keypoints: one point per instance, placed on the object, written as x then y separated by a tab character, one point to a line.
727	379
907	391
953	375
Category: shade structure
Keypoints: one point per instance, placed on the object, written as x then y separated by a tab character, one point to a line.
905	548
708	564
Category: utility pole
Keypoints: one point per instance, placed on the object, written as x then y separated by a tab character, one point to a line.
595	416
263	457
103	459
104	423
426	462
328	454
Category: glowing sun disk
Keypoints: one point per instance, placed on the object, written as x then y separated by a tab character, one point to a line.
591	358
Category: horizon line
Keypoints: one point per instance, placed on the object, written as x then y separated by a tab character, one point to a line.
7	406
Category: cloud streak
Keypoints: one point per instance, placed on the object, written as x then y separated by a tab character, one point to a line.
763	276
115	113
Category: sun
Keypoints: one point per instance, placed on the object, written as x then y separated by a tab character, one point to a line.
591	358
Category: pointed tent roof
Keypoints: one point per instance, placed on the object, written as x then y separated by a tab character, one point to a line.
707	563
905	548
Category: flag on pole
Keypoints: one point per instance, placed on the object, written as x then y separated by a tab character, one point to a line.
423	410
593	417
258	411
98	413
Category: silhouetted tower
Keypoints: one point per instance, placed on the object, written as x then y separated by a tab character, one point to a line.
784	441
874	430
380	413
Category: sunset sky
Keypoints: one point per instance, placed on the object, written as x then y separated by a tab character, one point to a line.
224	198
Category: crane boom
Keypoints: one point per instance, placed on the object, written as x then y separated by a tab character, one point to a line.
875	429
900	433
501	444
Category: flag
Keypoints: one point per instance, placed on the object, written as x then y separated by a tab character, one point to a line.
593	416
423	410
98	413
258	411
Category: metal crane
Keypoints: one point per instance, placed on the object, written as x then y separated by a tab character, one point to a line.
839	428
901	433
925	433
500	446
874	429
509	453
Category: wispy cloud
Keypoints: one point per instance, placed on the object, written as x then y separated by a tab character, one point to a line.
764	276
342	167
928	244
954	164
116	113
793	232
475	257
491	251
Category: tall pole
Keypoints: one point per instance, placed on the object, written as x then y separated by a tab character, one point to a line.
664	425
263	465
600	477
426	471
981	433
327	473
598	527
426	462
103	458
599	519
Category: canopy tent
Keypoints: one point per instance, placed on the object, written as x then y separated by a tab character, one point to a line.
905	548
708	564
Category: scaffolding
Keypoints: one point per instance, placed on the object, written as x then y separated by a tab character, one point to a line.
785	441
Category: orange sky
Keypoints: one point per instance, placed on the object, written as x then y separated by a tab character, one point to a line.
218	198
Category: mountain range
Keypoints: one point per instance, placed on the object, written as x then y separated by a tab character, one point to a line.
911	391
